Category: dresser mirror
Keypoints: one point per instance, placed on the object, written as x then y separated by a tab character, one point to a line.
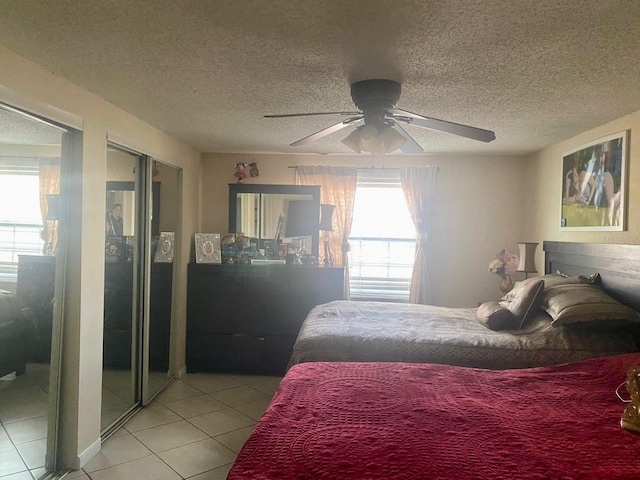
281	213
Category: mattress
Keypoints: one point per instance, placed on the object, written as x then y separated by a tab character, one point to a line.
391	332
401	421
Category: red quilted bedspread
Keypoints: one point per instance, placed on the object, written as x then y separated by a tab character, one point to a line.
399	421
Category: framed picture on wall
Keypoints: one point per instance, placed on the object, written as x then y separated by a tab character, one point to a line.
594	188
208	248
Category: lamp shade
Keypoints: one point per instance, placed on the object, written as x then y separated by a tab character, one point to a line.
527	261
368	138
353	141
326	217
392	139
302	218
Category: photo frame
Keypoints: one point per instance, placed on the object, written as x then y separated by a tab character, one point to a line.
165	249
594	185
208	248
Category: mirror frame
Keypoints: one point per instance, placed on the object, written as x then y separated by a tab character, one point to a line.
313	190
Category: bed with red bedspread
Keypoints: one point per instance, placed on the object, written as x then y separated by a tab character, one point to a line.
405	421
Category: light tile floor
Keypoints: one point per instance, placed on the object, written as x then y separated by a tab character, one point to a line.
23	423
193	429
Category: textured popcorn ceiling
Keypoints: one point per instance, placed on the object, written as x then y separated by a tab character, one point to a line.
536	71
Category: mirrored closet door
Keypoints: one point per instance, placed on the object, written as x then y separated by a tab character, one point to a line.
123	225
141	226
34	157
165	202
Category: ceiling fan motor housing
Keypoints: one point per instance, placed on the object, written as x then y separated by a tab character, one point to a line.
375	98
381	94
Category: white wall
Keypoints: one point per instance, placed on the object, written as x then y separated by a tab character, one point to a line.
27	86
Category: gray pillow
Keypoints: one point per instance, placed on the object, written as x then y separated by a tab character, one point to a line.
527	301
496	317
585	304
550	280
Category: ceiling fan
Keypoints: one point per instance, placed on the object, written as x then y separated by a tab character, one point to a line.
380	129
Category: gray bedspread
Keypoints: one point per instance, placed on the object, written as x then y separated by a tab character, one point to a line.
392	332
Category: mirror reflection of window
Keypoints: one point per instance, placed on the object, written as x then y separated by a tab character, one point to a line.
257	214
249	213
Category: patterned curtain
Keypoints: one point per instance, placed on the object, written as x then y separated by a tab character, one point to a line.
49	184
338	187
418	184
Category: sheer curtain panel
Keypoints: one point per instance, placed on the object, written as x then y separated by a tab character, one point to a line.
418	184
338	187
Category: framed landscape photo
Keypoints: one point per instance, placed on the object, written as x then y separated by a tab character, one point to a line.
594	188
208	248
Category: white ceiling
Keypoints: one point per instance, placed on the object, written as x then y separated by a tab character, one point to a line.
534	71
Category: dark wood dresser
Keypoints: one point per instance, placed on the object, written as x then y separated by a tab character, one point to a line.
245	318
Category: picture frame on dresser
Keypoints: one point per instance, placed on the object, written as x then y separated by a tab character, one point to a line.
165	249
594	185
208	248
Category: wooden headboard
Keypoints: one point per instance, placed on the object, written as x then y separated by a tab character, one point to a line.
618	266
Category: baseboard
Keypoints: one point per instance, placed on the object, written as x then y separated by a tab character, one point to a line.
88	454
182	372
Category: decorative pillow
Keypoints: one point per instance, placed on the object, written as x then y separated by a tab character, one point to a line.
585	303
550	280
594	278
496	317
526	301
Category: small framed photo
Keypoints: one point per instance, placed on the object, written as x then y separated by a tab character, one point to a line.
208	248
164	252
594	186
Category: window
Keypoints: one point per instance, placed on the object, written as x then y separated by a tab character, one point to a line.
20	217
382	240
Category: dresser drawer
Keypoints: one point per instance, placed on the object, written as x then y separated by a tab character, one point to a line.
247	317
226	353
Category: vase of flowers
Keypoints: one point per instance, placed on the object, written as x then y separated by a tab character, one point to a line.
505	265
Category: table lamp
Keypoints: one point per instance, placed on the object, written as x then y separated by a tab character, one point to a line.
326	225
527	263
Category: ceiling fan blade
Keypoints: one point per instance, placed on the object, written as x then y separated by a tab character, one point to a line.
325	131
411	146
442	125
284	115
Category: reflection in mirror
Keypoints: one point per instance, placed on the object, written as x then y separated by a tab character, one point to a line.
167	178
121	208
119	376
32	159
284	214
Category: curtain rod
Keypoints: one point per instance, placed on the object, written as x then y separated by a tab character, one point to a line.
360	168
357	168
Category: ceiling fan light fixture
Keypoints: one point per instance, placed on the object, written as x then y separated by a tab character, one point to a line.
367	139
354	140
392	139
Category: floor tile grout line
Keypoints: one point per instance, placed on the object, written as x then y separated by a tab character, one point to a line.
118	464
172	469
15	447
155	426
